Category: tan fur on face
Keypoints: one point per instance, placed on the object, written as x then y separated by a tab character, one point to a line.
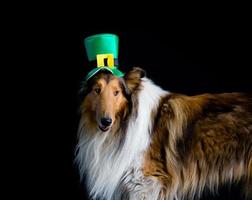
106	103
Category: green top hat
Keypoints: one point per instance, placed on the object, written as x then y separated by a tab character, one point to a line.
102	52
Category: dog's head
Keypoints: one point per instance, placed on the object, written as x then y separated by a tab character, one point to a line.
107	98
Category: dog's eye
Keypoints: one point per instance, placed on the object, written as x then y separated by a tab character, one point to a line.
97	90
116	92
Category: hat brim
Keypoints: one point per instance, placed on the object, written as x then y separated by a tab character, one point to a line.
113	70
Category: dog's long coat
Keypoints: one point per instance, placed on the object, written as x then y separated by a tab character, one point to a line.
162	145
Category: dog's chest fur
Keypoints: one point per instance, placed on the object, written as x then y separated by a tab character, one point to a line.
113	168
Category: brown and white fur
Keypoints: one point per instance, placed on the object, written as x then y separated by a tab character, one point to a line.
161	145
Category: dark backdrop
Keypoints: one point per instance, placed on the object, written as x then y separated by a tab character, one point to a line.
187	56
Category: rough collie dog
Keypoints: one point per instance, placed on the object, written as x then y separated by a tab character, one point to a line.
138	141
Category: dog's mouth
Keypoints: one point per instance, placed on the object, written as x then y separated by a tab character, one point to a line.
104	128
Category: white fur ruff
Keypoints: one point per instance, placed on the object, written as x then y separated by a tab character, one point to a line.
114	172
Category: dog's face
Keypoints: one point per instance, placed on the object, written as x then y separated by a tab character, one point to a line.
107	97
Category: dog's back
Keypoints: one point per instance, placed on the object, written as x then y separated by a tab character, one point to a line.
203	140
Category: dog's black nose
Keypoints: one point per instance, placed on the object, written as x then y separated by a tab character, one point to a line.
106	121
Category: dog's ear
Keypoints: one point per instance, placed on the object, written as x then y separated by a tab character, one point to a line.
133	78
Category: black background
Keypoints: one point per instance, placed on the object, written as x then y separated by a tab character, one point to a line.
190	54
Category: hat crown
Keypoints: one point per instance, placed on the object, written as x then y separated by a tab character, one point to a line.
102	52
104	43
